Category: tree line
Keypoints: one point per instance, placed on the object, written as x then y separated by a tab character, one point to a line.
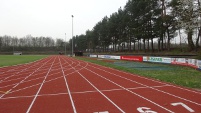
143	24
30	43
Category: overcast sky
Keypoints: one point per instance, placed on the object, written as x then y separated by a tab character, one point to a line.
53	17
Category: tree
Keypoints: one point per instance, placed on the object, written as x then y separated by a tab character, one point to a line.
188	13
59	43
1	42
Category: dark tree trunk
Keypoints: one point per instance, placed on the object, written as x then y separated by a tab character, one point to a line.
168	43
148	45
144	45
198	38
159	44
152	45
191	45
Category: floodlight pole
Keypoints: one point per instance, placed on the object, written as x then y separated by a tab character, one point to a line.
65	43
72	35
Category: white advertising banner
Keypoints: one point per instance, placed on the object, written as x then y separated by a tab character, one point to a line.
199	64
156	59
166	60
115	57
192	63
94	56
145	58
101	56
180	61
109	57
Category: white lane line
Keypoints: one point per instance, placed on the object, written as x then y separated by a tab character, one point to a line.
16	74
99	90
132	92
13	68
24	79
102	94
117	89
40	88
150	87
39	83
17	65
31	96
53	79
71	98
83	92
22	66
149	79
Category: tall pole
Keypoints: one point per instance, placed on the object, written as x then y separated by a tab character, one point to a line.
72	35
13	45
65	43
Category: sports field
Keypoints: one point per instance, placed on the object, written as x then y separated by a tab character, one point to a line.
60	84
8	60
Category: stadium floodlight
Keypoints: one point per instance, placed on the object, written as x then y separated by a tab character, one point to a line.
65	43
72	35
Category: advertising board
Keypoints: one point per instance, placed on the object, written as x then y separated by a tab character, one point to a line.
192	63
101	56
180	61
132	58
93	56
115	57
156	59
199	64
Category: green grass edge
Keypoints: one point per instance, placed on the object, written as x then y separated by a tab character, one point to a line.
10	60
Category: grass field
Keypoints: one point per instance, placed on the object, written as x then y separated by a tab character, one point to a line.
183	76
8	60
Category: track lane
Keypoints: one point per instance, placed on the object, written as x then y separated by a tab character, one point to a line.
34	99
53	94
182	96
17	85
125	98
96	88
19	70
20	100
101	85
166	94
86	101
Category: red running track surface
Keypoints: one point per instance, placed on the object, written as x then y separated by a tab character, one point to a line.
60	84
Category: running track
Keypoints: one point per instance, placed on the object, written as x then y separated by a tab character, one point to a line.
60	84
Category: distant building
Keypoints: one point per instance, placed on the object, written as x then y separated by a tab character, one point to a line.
17	53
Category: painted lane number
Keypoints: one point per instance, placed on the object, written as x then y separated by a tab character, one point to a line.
183	105
102	112
148	110
145	110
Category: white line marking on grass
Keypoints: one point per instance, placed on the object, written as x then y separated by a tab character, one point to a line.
39	88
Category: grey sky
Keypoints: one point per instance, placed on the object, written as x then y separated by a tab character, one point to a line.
53	17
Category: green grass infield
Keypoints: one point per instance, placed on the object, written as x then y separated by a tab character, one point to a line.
8	60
